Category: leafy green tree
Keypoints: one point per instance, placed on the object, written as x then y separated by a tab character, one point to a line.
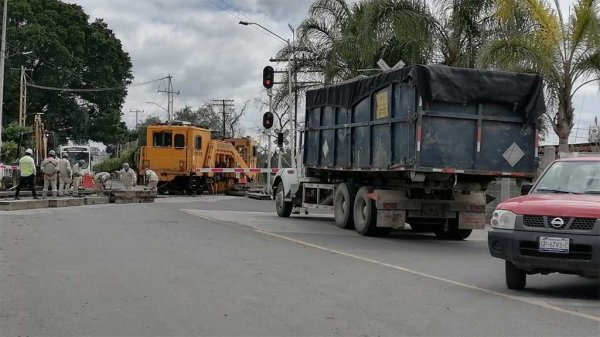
67	51
11	136
534	36
143	127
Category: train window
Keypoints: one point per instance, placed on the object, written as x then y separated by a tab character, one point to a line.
198	143
162	139
179	140
254	151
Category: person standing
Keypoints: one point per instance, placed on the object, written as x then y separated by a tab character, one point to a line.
77	174
50	169
64	174
128	177
151	179
28	171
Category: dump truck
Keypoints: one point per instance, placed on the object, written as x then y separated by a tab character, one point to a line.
417	145
181	153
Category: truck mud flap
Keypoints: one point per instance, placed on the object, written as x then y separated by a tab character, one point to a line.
471	220
391	218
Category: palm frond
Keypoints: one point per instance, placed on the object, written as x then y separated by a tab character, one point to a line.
549	32
585	24
520	54
337	11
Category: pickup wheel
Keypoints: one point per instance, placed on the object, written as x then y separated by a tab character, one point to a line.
284	208
515	278
365	214
343	207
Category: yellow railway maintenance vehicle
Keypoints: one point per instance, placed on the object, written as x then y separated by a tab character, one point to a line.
180	153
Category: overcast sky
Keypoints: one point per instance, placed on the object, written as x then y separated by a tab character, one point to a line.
211	56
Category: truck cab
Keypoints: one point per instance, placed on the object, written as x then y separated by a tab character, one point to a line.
554	226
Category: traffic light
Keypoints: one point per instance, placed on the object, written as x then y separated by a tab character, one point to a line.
268	120
280	139
268	77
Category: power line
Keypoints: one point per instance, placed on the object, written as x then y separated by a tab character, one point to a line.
91	89
225	103
236	16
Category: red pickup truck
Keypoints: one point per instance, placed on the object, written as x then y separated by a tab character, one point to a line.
554	226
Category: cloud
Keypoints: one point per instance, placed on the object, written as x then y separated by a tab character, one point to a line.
200	43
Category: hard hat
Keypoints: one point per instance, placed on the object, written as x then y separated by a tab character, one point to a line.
51	153
81	162
125	165
64	154
28	151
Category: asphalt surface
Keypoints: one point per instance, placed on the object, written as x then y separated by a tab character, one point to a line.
226	266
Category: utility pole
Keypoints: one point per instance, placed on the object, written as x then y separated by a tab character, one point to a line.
170	95
225	103
23	96
137	124
2	57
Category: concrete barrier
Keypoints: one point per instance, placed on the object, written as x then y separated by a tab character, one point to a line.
96	200
17	205
131	197
65	202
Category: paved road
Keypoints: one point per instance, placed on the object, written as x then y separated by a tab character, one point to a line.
224	266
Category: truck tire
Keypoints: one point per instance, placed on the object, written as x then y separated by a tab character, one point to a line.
343	206
365	214
284	208
515	278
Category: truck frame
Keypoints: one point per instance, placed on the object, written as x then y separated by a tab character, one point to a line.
416	145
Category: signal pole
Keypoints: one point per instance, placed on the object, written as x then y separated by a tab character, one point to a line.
170	92
137	125
225	103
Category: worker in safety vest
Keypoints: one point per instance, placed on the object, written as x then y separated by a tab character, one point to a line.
77	175
100	180
27	168
64	174
50	169
128	177
151	179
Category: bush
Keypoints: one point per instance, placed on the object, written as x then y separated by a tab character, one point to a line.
10	152
115	164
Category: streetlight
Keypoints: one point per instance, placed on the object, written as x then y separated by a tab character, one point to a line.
292	126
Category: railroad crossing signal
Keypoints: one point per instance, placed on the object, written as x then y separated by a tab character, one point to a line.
268	120
268	77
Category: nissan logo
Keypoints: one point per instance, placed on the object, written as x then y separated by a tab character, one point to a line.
557	222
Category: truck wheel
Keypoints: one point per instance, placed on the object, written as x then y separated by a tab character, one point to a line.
515	278
365	214
343	207
284	208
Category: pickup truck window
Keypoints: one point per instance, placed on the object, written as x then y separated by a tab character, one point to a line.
571	177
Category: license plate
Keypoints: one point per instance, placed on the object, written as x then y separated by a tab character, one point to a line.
554	245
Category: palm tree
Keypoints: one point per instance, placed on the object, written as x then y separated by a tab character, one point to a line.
338	39
461	28
534	36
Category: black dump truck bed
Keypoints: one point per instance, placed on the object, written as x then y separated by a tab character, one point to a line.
427	119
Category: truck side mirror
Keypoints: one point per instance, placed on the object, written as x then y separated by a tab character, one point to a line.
526	188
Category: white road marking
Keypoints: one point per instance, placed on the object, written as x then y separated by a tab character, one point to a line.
399	268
